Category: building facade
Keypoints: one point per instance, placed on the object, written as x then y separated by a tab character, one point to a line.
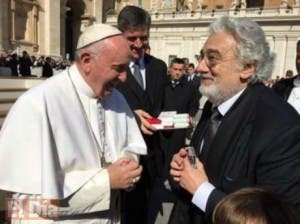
46	27
179	27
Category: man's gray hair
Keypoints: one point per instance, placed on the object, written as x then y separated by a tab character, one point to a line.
252	46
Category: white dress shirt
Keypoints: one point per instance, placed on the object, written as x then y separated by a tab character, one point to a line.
294	97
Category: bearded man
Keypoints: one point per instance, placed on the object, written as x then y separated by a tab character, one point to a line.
247	135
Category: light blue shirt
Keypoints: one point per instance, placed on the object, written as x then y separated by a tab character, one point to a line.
204	190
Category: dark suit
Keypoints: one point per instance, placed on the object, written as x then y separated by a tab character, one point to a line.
24	66
257	144
195	81
284	87
47	70
183	98
151	101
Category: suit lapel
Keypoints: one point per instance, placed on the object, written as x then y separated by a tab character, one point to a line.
150	79
228	137
134	86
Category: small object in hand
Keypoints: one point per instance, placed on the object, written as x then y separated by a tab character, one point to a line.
132	185
154	120
191	155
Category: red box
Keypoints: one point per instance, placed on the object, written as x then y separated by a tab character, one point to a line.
154	120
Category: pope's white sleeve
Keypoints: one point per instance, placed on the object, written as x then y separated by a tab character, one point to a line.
93	196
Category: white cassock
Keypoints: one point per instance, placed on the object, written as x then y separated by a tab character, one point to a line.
48	147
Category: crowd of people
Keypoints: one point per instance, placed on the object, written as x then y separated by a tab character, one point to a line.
90	143
11	64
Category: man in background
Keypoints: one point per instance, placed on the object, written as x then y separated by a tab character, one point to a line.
289	89
144	91
192	75
180	96
47	70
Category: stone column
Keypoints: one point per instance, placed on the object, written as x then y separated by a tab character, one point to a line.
239	4
4	24
98	13
52	28
280	44
290	54
2	19
283	3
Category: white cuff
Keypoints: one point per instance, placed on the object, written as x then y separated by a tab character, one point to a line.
201	195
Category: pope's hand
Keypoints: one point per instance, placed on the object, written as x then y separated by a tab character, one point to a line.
124	173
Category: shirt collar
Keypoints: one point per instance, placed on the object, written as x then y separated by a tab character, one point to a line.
141	63
80	83
225	106
297	81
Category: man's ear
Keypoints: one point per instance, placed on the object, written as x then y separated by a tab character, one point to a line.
248	70
85	60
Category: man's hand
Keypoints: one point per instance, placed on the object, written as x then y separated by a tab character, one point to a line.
124	173
177	164
145	127
188	177
191	178
192	121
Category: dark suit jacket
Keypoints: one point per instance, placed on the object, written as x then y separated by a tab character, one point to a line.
183	98
257	144
195	81
24	66
47	70
151	101
284	87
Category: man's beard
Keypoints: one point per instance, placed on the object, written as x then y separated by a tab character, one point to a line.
217	93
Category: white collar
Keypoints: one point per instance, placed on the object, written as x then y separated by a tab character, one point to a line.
297	81
79	82
225	106
141	63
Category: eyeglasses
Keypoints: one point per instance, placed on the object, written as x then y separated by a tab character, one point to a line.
212	57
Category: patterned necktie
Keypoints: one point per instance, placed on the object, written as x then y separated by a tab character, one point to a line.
137	74
212	127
